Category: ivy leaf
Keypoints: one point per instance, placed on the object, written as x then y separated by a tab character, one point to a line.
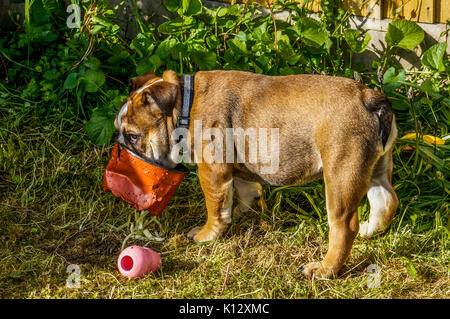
230	56
51	74
206	60
222	11
39	13
404	34
426	86
212	42
392	81
165	48
433	57
47	35
311	31
190	7
118	58
149	64
235	10
237	46
180	50
71	81
142	44
100	128
399	104
176	26
242	36
263	62
351	36
172	5
284	47
260	30
92	63
93	80
286	71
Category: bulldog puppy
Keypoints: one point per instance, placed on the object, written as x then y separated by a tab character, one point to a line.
327	127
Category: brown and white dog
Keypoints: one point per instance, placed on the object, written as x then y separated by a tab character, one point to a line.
329	127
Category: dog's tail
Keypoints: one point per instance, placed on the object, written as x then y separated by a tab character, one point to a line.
380	106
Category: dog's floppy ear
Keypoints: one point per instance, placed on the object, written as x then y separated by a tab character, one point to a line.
138	81
163	94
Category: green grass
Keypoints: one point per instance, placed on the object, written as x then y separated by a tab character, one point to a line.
53	213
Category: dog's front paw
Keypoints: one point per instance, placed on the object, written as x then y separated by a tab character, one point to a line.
317	269
202	234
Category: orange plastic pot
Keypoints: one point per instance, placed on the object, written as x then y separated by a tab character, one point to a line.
140	183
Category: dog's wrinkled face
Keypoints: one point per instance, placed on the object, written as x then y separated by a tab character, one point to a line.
146	125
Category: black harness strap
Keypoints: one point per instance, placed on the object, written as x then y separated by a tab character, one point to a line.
187	90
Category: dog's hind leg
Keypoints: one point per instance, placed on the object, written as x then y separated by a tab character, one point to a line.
382	198
248	194
347	173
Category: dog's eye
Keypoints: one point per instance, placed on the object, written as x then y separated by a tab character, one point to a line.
132	138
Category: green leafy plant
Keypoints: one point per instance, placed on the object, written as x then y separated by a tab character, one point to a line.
91	65
404	34
357	45
393	80
433	57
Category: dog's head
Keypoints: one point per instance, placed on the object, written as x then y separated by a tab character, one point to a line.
151	114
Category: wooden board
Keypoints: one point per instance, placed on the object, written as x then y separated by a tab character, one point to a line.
442	10
313	5
427	11
371	8
414	10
